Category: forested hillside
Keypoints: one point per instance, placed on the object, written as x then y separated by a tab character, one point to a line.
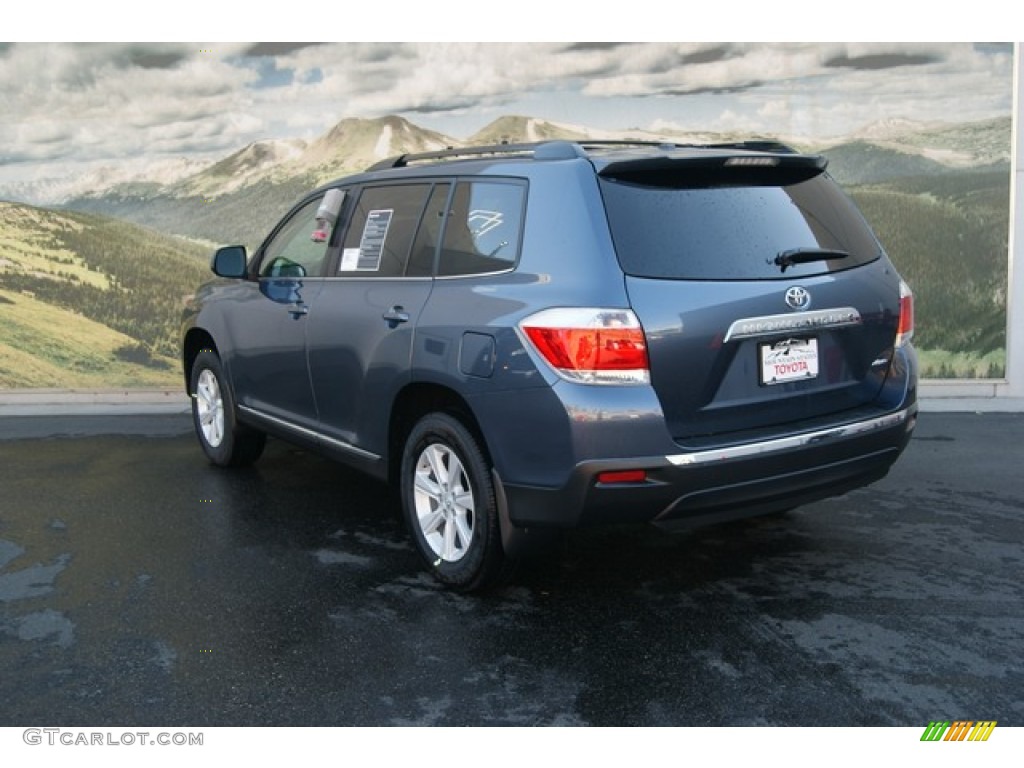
948	237
240	217
62	273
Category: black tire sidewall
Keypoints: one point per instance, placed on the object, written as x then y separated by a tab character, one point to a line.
225	453
477	566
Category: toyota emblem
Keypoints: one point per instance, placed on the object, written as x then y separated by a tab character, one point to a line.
798	298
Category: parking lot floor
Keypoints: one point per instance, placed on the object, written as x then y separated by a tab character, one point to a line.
141	586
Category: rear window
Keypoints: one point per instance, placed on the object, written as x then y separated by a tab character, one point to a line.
733	232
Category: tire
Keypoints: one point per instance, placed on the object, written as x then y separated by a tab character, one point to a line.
449	505
225	442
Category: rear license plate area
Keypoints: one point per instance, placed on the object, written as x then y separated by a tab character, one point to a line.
789	360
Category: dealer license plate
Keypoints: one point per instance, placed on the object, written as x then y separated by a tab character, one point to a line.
790	360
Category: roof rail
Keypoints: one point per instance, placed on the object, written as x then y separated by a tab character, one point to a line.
543	150
624	143
564	149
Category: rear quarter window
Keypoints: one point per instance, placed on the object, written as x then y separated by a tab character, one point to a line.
483	229
732	232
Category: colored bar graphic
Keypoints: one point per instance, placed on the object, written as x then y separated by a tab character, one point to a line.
982	730
959	730
935	730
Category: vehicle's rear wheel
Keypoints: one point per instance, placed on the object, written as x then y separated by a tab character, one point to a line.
224	440
449	504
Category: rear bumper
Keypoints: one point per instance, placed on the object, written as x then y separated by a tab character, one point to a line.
722	483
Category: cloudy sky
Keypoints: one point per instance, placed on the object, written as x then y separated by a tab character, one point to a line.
67	107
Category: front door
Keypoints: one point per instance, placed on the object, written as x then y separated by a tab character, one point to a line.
360	336
269	373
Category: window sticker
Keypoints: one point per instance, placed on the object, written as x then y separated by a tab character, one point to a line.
349	260
371	246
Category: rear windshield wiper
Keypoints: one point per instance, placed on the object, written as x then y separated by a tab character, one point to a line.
804	255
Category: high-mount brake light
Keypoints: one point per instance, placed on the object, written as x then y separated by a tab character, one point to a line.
905	329
748	161
590	345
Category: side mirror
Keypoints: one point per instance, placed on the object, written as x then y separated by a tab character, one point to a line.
229	261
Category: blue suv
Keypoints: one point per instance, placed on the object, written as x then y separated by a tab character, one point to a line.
527	338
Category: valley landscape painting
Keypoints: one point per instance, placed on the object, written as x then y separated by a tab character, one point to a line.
122	166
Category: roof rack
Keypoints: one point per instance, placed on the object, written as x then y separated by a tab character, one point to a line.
565	149
625	143
401	161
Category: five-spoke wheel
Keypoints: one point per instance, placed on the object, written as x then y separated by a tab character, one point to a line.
449	503
209	405
224	440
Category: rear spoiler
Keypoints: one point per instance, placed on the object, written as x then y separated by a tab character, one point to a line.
743	168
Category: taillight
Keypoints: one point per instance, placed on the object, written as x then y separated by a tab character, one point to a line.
905	330
590	345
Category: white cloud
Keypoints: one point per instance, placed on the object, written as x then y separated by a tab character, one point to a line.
112	100
91	102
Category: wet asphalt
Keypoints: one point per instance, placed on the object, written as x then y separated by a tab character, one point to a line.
140	586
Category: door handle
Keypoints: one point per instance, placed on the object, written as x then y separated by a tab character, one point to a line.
298	310
396	315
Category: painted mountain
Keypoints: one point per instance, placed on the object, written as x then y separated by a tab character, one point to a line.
121	257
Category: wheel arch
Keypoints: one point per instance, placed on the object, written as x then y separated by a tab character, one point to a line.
414	402
196	340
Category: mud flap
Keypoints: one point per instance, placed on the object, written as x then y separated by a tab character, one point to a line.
517	542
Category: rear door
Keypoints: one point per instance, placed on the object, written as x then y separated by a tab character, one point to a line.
360	338
765	298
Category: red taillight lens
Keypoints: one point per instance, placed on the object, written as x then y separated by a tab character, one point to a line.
586	349
594	346
905	330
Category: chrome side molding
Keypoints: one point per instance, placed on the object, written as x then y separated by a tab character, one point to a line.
311	433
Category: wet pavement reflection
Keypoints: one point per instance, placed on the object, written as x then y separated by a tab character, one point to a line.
141	586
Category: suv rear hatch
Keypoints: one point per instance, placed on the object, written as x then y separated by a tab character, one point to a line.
765	298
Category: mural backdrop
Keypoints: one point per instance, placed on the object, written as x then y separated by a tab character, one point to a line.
122	165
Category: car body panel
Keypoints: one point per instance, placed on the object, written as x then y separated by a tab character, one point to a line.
358	359
268	325
710	384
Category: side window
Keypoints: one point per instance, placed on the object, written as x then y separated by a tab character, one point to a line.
483	229
421	260
299	247
381	231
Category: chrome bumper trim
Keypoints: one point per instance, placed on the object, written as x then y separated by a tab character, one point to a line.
788	443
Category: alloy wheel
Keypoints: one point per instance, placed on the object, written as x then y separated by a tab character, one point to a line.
210	408
444	503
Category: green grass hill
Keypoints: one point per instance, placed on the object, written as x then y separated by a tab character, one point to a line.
90	301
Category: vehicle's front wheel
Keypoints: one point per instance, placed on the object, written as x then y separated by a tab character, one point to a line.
449	504
224	440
